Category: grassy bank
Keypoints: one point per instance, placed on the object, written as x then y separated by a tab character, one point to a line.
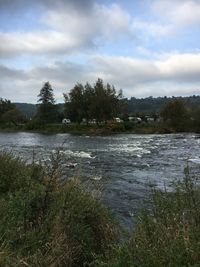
166	235
107	129
48	222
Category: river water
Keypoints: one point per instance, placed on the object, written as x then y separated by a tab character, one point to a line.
122	166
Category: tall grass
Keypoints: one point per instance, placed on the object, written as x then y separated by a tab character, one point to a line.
166	235
46	222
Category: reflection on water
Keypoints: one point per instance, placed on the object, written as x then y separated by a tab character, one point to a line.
124	164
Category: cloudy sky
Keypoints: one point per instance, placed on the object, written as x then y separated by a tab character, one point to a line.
145	47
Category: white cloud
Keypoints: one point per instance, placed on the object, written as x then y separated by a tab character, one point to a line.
69	30
181	67
151	29
177	67
177	74
73	28
181	13
17	43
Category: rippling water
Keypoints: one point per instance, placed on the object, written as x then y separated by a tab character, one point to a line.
123	164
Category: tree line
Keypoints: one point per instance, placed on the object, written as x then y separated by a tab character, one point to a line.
10	113
99	103
84	102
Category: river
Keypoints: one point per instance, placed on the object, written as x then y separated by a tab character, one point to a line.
122	166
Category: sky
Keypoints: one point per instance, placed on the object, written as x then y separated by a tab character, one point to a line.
144	47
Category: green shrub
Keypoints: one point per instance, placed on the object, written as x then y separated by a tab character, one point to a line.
128	126
166	235
34	124
46	222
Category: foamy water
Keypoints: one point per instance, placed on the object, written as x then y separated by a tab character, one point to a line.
125	165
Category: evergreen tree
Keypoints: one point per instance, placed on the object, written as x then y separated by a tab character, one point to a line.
46	94
47	111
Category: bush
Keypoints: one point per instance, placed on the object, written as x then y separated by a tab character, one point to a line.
166	235
34	124
46	222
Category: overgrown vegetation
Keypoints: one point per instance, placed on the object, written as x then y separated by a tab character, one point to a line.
168	234
100	109
10	114
100	102
45	221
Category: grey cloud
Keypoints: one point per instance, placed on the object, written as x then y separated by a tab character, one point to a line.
65	38
174	75
20	5
65	73
7	73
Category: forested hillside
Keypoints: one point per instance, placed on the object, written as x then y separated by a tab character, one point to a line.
29	110
151	104
134	105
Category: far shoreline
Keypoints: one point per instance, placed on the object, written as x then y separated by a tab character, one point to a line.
97	130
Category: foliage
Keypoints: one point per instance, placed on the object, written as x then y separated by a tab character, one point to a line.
175	113
100	102
29	110
48	222
47	110
155	104
149	105
5	106
195	116
34	124
14	116
74	103
46	94
168	234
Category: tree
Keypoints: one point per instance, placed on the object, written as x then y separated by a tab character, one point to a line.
46	94
47	111
87	101
106	101
14	116
195	117
74	103
175	113
99	102
5	105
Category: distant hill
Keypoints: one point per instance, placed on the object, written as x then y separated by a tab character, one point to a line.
29	110
134	105
154	105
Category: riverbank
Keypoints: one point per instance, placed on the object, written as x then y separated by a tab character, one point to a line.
108	129
48	222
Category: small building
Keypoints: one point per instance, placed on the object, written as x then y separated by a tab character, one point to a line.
66	121
135	119
118	120
84	121
93	121
149	119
